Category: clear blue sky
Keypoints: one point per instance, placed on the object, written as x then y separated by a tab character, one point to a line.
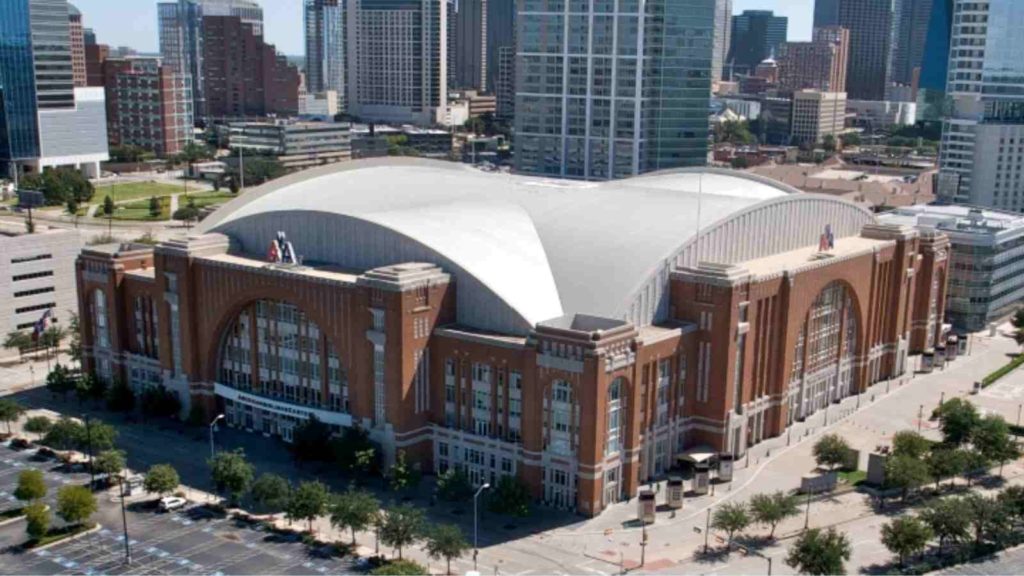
133	22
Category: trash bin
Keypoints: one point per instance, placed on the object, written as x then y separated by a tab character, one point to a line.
647	506
676	488
701	478
725	466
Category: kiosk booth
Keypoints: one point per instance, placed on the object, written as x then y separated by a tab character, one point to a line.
676	488
647	507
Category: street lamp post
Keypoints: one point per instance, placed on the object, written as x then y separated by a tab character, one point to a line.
88	439
707	530
476	521
124	522
920	417
215	420
807	515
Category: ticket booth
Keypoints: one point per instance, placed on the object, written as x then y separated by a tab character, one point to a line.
725	467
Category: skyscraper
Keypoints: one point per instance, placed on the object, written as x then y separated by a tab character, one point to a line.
501	32
931	85
244	76
872	26
816	65
470	45
619	95
911	31
44	119
723	35
148	105
982	156
325	47
77	42
181	36
756	35
397	60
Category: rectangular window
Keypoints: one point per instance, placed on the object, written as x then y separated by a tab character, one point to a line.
24	293
378	385
35	308
20	277
35	258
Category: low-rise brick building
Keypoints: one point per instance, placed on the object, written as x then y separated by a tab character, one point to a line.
583	337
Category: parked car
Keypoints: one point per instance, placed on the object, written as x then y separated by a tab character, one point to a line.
171	503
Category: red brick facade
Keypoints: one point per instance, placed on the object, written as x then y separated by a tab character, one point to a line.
723	372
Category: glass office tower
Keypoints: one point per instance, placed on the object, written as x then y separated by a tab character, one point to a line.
325	47
982	156
611	89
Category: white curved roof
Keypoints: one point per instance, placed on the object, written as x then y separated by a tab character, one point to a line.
545	248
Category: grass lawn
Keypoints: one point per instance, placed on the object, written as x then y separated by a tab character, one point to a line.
204	199
136	191
56	534
140	210
853	477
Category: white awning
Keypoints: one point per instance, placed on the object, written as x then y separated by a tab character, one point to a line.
698	454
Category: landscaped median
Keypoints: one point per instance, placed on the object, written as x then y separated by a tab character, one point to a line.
57	535
1003	371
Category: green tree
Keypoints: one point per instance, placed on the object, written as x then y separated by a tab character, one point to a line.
71	207
828	143
905	473
830	450
355	510
52	337
59	381
771	509
108	206
271	492
739	163
120	397
60	184
75	345
161	479
731	517
958	419
75	504
187	214
195	152
475	125
910	443
399	568
945	463
17	340
1012	501
233	186
851	139
37	520
127	153
453	485
31	486
97	387
231	474
159	402
446	541
307	502
64	434
818	552
10	411
949	519
38	425
402	476
1018	323
988	522
110	462
102	435
402	526
311	441
975	464
906	536
992	438
509	496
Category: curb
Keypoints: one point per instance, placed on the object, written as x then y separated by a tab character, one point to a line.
95	528
18	518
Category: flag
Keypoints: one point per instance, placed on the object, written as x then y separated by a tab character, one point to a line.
42	324
831	236
274	253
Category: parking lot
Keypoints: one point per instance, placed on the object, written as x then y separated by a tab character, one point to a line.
14	462
195	540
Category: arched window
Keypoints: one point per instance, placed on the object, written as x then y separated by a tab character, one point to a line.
616	392
273	349
823	369
100	325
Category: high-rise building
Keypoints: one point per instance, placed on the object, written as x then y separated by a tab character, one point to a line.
816	65
77	38
95	56
149	105
817	115
931	83
723	35
45	120
982	156
245	77
181	36
756	35
505	90
398	60
872	28
325	47
910	33
826	13
501	33
470	45
610	101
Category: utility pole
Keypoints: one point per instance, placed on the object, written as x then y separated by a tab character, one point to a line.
920	417
124	522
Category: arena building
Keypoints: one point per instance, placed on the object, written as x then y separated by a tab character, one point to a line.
581	336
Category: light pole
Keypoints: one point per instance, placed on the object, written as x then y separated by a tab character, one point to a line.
476	520
920	416
215	420
88	439
124	522
707	531
807	515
